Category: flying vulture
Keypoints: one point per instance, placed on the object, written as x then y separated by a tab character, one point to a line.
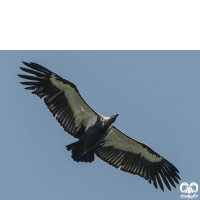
96	133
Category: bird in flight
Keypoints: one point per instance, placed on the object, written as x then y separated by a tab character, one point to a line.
96	133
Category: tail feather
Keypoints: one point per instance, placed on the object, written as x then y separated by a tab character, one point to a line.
77	154
88	157
71	146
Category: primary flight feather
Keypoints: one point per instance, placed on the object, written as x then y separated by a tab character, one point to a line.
96	133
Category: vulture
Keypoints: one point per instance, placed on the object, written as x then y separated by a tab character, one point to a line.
96	134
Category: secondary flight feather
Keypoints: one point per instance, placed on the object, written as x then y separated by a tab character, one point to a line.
96	133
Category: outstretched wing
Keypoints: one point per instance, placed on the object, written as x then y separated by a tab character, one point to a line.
135	157
61	97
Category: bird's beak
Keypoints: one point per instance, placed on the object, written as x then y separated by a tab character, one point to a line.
114	117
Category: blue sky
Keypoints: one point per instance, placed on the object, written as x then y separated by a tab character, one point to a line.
155	92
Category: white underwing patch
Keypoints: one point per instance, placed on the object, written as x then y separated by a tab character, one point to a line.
82	112
120	141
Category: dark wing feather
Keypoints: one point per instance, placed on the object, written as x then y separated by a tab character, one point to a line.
135	157
61	97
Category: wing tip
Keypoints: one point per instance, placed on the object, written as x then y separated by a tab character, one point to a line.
20	75
26	63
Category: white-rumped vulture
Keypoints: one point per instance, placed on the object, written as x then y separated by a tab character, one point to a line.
96	133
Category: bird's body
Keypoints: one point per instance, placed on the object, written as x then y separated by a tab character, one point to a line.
96	133
92	138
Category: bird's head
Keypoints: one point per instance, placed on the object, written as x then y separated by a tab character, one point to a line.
110	120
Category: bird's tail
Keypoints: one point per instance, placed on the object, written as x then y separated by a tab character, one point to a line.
77	154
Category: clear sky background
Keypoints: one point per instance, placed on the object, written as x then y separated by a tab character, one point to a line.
157	94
